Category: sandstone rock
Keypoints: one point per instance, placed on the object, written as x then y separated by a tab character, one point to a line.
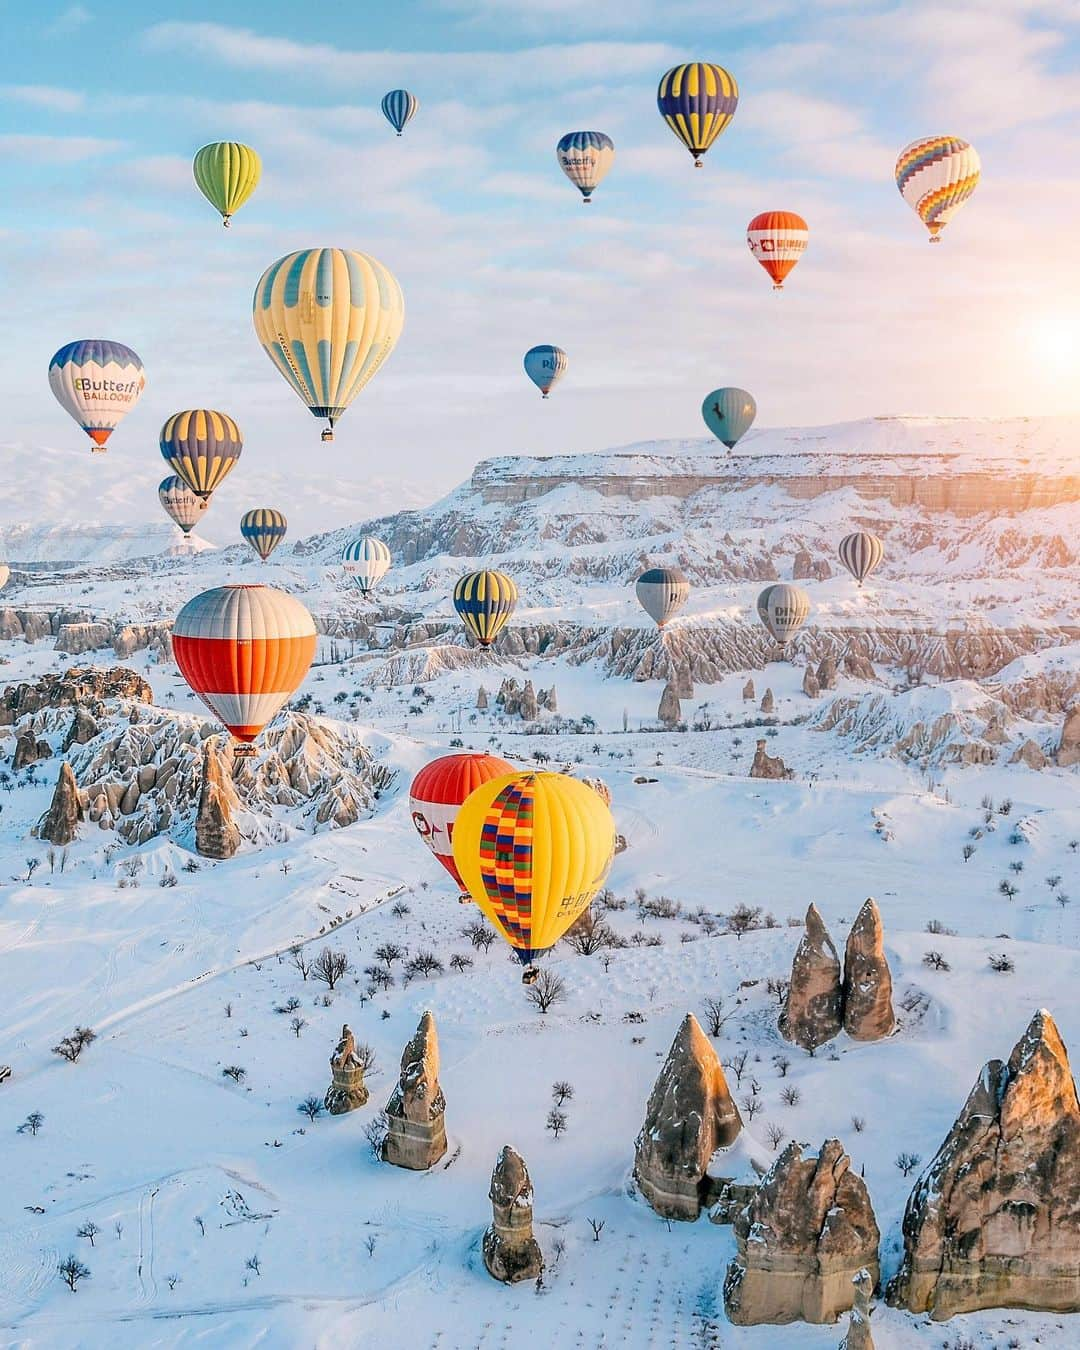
1030	754
347	1090
812	1012
76	638
670	710
858	1335
550	701
994	1221
80	687
83	728
689	1116
416	1136
810	686
806	1233
60	823
28	749
1068	751
529	708
10	625
859	667
748	690
511	1253
683	682
216	836
868	1010
802	566
768	766
768	703
482	699
826	673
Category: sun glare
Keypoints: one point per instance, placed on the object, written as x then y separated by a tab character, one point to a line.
1054	343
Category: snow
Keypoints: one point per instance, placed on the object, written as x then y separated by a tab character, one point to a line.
191	1175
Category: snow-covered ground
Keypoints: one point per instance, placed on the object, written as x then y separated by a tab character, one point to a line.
227	1218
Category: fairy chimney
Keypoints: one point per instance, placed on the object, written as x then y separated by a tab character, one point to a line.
416	1133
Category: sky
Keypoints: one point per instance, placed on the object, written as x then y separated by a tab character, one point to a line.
651	290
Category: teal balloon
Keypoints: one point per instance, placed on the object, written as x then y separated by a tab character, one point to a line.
729	414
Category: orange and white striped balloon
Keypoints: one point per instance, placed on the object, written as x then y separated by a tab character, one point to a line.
245	651
777	240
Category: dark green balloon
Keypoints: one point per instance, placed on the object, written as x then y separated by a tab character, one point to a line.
729	414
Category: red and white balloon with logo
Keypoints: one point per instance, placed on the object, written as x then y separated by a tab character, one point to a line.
437	794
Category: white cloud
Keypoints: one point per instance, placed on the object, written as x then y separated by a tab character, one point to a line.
55	149
43	96
69	20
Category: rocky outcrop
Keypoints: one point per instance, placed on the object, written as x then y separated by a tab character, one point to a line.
1068	751
868	1010
1030	754
347	1089
810	686
524	701
748	691
827	673
859	1336
813	1008
76	638
28	749
60	824
860	667
530	710
768	766
994	1221
670	709
83	728
482	699
768	703
806	1233
216	836
416	1134
86	688
690	1114
683	682
511	1253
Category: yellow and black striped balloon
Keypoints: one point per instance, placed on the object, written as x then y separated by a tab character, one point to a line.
485	600
201	446
697	100
263	528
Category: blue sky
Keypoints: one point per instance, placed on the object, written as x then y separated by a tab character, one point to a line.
651	290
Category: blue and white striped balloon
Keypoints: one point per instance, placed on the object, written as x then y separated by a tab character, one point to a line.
399	108
366	560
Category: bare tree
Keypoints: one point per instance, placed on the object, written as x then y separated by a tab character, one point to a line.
589	935
907	1162
378	977
300	961
460	962
89	1230
858	1124
791	1096
172	1281
743	919
968	851
562	1092
556	1121
31	1124
73	1270
298	1024
311	1107
597	1226
935	961
329	967
235	1072
751	1106
389	952
715	1016
253	1263
547	990
375	1133
781	1063
479	934
71	1047
737	1064
778	988
369	1243
423	963
775	1134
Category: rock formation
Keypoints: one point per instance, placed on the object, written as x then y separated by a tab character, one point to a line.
802	566
216	836
416	1136
748	691
683	682
810	686
83	728
28	749
347	1090
859	1336
868	1010
768	766
768	703
1068	751
511	1253
530	710
76	638
1030	754
807	1231
994	1221
60	823
689	1116
670	709
826	673
482	699
813	1009
860	667
85	688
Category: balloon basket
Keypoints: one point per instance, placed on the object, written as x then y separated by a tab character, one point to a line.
328	434
243	751
935	238
226	222
530	975
778	286
698	164
464	899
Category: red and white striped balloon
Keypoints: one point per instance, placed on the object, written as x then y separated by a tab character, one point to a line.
245	651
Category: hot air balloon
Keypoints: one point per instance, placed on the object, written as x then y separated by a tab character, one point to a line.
367	561
861	553
585	157
227	173
5	575
263	528
697	100
936	176
180	503
201	446
729	414
436	797
97	382
662	592
783	609
545	366
245	651
399	108
485	600
533	849
777	240
328	318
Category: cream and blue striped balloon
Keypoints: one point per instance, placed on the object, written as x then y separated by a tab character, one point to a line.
399	108
861	553
585	157
545	366
366	560
328	318
96	382
263	528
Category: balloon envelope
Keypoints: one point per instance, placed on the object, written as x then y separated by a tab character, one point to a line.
245	651
783	608
263	528
545	366
180	503
662	592
585	157
96	382
861	553
201	446
328	318
936	176
227	173
437	794
729	414
484	601
399	107
777	239
366	560
533	849
697	100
